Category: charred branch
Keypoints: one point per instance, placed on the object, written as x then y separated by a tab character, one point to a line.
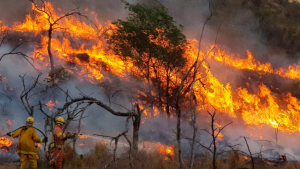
27	58
25	96
250	153
54	24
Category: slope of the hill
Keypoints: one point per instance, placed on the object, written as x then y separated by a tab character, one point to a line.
275	22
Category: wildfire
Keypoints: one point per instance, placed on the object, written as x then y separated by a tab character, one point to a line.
93	61
293	72
167	151
81	145
5	143
83	136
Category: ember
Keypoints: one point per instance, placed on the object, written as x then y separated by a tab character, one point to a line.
8	122
51	104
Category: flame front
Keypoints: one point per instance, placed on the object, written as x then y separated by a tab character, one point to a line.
258	108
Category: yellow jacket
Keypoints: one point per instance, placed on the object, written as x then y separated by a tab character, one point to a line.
27	140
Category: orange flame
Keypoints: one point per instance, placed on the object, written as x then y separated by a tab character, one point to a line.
104	143
51	104
83	136
8	122
262	107
5	143
220	136
167	151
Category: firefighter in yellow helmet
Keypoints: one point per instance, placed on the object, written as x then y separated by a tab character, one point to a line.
57	143
26	147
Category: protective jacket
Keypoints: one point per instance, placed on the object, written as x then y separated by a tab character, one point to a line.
27	140
56	147
60	137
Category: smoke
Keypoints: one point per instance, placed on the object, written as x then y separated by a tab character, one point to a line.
238	33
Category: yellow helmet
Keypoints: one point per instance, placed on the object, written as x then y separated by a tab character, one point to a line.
60	120
30	120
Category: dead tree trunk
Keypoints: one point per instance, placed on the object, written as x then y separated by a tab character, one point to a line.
178	134
194	119
167	94
136	127
250	153
214	140
49	47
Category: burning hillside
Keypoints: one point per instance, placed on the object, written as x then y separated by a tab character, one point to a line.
260	108
160	72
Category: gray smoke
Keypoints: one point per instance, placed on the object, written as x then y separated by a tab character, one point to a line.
238	34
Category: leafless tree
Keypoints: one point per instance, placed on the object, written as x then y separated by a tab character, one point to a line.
276	132
79	103
214	133
195	67
29	59
54	24
116	139
27	93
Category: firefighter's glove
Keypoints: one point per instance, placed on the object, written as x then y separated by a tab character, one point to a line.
45	140
65	138
9	134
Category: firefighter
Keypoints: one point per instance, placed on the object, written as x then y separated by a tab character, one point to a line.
26	147
57	143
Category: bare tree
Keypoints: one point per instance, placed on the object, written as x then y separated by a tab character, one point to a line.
30	60
87	100
214	133
276	132
27	94
194	125
195	67
73	114
116	139
53	24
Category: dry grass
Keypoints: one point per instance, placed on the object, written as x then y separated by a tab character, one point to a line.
100	157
